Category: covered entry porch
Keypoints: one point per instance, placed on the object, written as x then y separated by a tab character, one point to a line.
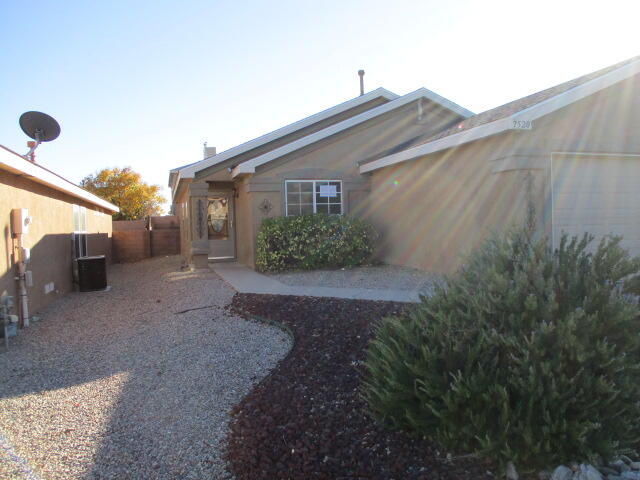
208	216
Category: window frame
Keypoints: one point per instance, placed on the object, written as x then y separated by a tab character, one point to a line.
80	233
315	210
81	212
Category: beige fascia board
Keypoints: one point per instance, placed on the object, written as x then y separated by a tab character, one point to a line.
249	167
190	171
19	165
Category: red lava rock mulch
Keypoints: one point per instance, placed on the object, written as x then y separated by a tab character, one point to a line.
306	420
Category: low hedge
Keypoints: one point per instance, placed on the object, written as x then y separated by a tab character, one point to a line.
527	355
312	241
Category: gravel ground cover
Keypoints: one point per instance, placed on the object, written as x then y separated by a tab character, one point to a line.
134	383
306	420
373	277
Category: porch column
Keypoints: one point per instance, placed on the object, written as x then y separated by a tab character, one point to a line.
198	192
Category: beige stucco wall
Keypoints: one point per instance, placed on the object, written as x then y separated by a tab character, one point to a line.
244	224
219	172
49	236
180	208
433	210
335	158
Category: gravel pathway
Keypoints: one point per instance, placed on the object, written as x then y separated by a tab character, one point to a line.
371	277
134	383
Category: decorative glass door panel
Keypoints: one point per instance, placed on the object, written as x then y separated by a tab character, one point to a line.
220	226
218	218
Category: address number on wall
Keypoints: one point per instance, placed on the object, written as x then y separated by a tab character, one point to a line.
522	124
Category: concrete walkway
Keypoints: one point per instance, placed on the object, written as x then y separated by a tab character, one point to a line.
246	280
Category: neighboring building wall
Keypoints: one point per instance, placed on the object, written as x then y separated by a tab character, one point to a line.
49	237
434	210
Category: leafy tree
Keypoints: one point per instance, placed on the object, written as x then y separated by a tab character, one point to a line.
124	187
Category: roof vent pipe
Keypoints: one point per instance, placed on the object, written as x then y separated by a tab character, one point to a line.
361	74
208	151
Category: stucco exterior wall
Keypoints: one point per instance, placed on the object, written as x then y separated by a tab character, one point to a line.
49	237
335	158
220	170
244	225
181	211
433	210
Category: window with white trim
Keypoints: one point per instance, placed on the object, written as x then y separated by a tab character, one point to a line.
79	231
79	218
313	196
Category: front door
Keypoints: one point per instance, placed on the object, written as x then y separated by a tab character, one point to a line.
220	226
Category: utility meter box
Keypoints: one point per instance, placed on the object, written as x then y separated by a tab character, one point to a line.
20	221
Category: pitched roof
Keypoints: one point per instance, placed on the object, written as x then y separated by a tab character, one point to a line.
189	170
250	166
516	106
18	165
500	118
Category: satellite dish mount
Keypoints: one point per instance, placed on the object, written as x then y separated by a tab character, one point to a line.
39	126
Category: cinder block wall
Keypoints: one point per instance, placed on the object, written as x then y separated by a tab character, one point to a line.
165	242
139	239
131	245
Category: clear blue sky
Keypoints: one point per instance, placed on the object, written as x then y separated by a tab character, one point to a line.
145	83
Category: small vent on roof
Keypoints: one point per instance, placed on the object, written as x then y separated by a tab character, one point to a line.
361	75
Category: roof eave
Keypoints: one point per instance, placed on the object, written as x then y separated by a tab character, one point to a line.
440	144
579	92
250	165
18	165
190	170
512	122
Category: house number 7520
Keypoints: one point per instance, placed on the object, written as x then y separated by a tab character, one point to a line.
522	124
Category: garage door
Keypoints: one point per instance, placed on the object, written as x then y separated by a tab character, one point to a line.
597	195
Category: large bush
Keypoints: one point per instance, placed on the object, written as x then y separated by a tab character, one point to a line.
526	354
313	241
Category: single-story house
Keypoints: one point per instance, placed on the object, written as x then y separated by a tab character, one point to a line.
432	177
61	222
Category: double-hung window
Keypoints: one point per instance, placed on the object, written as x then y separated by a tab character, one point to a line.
79	231
313	196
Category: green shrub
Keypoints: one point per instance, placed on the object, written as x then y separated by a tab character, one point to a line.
313	241
526	354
